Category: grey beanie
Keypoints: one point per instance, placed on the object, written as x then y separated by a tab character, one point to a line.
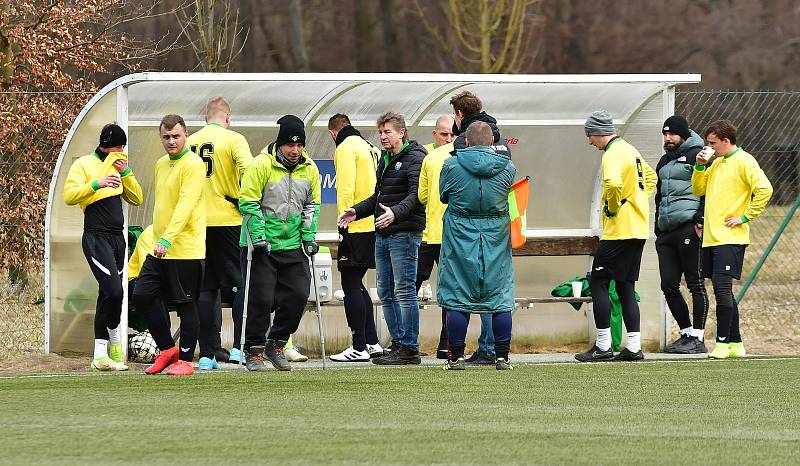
600	123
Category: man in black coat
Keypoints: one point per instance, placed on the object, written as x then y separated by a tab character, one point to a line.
399	221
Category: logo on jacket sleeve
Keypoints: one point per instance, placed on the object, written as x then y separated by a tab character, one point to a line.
398	165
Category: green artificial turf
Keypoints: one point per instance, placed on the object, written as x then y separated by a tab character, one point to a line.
691	412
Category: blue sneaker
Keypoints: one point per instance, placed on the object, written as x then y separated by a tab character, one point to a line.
208	364
236	356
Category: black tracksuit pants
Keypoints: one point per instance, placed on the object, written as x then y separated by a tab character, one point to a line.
279	281
105	253
679	255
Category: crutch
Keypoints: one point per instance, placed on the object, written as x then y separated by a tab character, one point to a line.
319	311
246	225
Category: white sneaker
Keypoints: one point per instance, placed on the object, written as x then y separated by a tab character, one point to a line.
375	351
351	355
292	355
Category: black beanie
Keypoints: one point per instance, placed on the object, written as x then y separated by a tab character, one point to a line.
112	136
678	125
291	131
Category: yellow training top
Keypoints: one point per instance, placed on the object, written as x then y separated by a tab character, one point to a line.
81	185
144	246
179	214
226	154
428	193
430	147
734	186
626	177
356	165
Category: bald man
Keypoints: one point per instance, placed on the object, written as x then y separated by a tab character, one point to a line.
442	133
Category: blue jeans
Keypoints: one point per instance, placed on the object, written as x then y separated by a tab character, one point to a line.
396	270
486	339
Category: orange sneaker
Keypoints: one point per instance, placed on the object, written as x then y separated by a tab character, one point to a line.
181	368
163	360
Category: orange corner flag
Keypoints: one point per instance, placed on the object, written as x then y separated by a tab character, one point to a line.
517	210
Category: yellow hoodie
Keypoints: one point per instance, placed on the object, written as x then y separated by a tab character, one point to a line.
428	192
144	246
734	186
356	165
628	182
81	185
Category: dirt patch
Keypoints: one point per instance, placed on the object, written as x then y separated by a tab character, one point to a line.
37	363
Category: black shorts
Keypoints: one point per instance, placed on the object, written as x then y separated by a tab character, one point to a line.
428	254
175	281
618	259
223	268
725	259
356	249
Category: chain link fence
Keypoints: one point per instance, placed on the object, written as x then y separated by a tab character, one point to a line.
33	126
768	127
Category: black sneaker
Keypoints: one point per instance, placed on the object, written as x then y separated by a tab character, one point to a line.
273	350
391	351
628	355
402	357
222	355
692	345
479	359
595	354
677	344
254	359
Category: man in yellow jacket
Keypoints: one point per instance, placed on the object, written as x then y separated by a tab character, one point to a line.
431	245
628	182
226	154
174	271
442	133
737	191
99	182
356	162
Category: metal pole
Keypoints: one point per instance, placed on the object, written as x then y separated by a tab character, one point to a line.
319	312
246	225
768	250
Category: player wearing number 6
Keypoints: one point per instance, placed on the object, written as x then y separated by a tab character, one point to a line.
226	155
628	181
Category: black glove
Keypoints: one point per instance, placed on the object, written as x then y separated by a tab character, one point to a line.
613	214
310	247
262	246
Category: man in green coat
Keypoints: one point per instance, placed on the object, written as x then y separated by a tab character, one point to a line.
475	270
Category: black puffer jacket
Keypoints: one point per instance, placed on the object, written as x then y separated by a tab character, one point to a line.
398	180
500	145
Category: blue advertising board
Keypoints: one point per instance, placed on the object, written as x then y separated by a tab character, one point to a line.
327	175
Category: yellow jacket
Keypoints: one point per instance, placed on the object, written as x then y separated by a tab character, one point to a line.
734	186
628	182
356	164
144	246
430	147
81	184
226	154
179	214
428	193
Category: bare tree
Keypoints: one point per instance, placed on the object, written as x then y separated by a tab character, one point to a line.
214	32
488	36
296	38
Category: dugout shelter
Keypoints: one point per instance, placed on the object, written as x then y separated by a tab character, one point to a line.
541	116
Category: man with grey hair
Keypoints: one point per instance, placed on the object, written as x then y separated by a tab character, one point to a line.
442	133
399	221
628	181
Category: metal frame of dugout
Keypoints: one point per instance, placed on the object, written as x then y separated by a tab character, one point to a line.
540	115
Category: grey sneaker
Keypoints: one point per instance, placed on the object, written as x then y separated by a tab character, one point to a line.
457	365
274	352
502	365
254	359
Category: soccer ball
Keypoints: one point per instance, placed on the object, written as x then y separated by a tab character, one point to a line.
142	348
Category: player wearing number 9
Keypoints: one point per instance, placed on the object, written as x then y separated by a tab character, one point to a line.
226	154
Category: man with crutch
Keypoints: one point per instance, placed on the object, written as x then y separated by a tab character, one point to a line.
279	199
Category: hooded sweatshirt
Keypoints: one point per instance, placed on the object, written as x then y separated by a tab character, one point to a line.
461	140
675	202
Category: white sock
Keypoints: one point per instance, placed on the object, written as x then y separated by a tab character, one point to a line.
698	332
100	348
634	341
113	335
603	342
686	331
